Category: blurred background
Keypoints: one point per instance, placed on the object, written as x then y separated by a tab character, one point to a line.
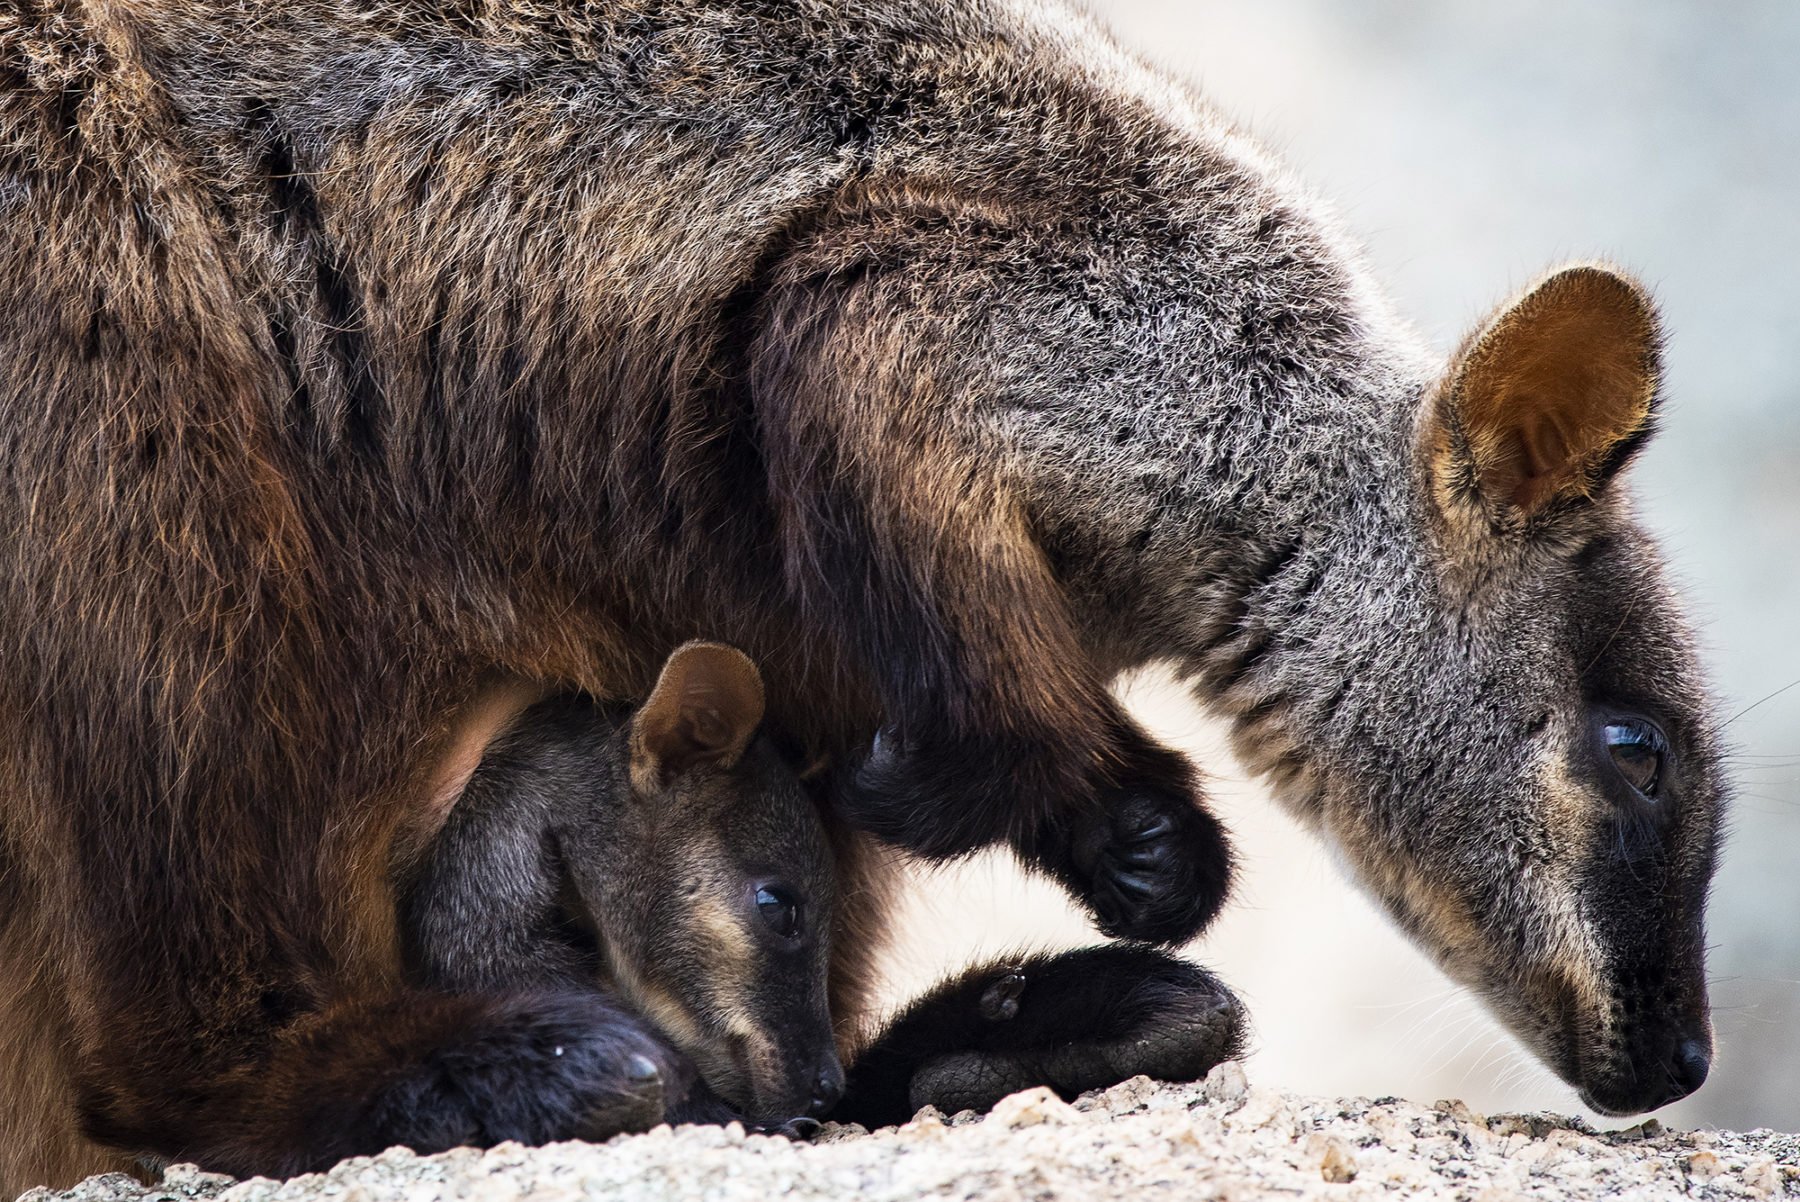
1470	145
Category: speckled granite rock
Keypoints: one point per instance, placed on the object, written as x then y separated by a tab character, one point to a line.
1219	1139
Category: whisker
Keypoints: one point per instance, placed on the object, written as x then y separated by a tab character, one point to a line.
1767	697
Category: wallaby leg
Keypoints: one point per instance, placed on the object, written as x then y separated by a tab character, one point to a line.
909	548
1138	848
1073	1021
999	728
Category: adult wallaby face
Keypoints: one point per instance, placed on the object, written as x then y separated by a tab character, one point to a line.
713	895
1505	731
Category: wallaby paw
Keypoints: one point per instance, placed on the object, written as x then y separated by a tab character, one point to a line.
1193	1026
1157	866
1210	1032
1096	1017
534	1069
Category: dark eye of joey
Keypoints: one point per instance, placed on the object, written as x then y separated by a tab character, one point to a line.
1638	750
780	909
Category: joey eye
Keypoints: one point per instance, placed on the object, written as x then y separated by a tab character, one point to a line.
779	909
1638	750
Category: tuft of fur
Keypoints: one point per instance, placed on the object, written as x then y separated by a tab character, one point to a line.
937	354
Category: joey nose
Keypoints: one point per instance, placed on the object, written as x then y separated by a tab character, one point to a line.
828	1088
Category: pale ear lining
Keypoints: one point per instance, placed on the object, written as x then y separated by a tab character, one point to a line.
1550	399
704	710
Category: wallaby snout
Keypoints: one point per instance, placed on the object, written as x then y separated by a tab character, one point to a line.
794	1073
828	1086
1674	1065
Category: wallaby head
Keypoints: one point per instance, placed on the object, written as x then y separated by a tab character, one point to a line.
1514	749
712	889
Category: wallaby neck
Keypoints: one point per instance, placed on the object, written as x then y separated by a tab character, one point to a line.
1260	534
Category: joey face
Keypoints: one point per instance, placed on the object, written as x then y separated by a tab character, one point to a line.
1515	751
732	879
718	903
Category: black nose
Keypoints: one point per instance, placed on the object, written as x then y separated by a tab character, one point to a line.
828	1087
1689	1068
1684	1070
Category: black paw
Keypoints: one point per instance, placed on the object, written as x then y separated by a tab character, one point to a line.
1073	1021
1152	864
1093	1018
535	1069
958	1081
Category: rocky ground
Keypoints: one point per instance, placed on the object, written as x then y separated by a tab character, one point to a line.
1141	1139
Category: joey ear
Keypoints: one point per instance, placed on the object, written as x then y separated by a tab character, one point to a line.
1550	398
704	709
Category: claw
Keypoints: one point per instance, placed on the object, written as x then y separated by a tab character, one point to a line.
1162	825
1000	1000
800	1128
1134	882
1146	856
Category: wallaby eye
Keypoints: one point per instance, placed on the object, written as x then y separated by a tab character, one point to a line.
779	909
1638	750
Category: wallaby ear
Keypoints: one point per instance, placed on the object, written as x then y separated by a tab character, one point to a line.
1548	400
706	706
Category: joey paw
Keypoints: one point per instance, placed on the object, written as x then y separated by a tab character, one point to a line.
533	1068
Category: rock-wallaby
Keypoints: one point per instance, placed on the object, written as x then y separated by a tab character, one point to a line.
935	352
666	863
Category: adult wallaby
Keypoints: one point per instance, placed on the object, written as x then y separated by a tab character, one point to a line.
669	861
937	354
